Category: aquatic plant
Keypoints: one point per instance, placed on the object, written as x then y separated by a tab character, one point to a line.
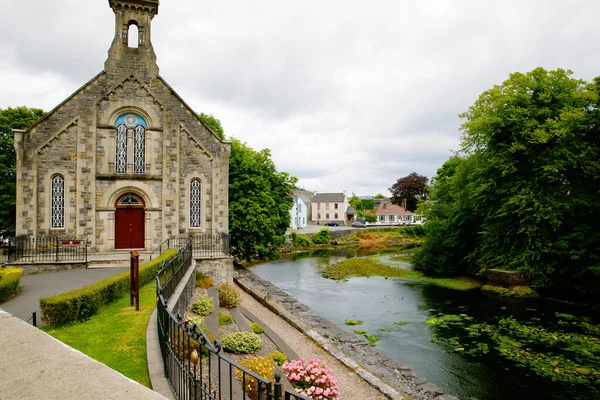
353	322
371	266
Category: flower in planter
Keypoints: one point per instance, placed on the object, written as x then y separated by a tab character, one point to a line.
313	379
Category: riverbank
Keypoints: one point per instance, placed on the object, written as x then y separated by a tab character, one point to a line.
463	340
303	318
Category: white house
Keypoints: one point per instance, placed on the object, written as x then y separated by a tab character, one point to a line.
299	213
393	214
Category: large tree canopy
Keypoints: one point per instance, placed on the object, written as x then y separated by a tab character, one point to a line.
260	199
11	118
409	190
214	124
523	192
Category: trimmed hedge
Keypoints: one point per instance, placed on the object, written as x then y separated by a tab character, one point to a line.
80	304
9	282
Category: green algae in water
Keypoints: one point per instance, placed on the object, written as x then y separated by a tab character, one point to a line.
372	339
403	323
560	355
353	322
360	331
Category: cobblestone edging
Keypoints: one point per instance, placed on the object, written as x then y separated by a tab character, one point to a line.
385	374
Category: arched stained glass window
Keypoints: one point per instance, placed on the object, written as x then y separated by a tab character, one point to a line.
57	203
121	140
138	125
195	203
139	150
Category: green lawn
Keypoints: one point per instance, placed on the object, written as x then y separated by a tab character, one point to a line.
116	336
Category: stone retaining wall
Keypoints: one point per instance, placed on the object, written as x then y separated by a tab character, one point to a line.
391	371
42	267
180	298
219	269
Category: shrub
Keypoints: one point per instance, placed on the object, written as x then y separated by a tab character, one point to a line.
196	319
183	344
204	306
321	237
241	342
80	304
279	357
205	282
262	366
256	327
9	282
225	319
313	379
302	241
228	296
200	275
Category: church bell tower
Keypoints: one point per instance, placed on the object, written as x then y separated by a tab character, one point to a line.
131	51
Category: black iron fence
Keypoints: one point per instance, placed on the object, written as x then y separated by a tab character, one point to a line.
45	248
194	367
203	245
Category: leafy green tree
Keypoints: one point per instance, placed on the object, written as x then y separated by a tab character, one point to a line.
259	202
523	192
11	118
361	205
214	124
407	191
379	196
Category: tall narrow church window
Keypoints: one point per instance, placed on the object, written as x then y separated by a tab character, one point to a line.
195	201
139	150
57	206
121	139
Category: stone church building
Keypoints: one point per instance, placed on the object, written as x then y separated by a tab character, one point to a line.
124	162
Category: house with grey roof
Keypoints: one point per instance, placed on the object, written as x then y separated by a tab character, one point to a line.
330	207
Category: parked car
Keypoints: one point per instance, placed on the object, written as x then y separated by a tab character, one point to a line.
357	224
331	223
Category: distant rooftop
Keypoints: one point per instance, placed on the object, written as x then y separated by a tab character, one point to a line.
329	198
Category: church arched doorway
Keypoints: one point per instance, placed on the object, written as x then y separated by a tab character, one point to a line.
129	222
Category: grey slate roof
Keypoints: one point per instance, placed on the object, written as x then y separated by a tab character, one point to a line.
328	198
350	210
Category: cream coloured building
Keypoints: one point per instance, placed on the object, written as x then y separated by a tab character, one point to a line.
123	162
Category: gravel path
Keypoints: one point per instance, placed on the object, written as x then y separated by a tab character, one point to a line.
352	386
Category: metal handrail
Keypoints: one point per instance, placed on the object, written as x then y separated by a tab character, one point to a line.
177	340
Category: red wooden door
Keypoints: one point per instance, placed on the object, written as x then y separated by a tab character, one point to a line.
129	228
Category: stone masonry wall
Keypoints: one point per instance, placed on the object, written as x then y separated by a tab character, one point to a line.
220	270
78	138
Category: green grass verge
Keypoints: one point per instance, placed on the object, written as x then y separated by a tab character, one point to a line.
365	266
116	336
82	303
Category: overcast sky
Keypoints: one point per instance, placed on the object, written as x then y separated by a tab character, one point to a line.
348	95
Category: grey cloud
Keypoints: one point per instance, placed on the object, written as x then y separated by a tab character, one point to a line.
347	95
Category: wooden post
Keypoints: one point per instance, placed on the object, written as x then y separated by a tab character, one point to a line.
134	280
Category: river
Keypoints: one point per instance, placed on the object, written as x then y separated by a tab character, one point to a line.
396	311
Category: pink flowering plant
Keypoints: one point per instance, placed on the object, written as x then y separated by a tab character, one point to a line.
312	379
